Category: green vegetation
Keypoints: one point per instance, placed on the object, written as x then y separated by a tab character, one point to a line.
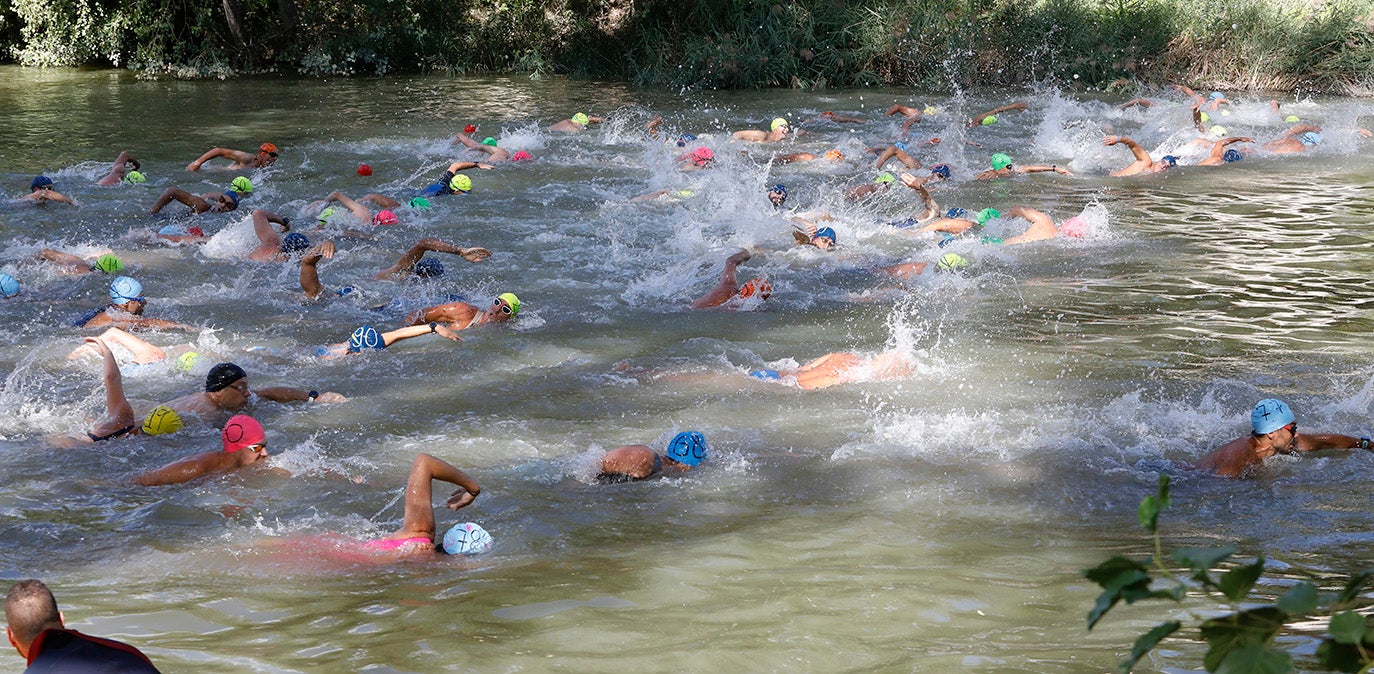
1239	639
1234	44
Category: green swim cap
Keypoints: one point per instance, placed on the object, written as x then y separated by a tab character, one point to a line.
109	264
135	178
1217	129
951	262
512	300
242	185
489	141
988	214
1000	161
581	118
777	122
323	217
460	183
989	120
883	177
1205	118
1291	119
419	203
187	360
683	194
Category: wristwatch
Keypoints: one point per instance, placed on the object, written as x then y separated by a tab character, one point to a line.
312	396
433	327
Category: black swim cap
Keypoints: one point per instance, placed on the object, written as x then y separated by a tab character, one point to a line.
222	375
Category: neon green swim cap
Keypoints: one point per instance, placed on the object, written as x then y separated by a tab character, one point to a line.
512	300
135	178
1000	161
323	217
883	177
109	264
951	262
489	141
988	214
242	185
581	119
989	120
777	122
1205	118
1217	130
187	360
1291	119
683	194
419	203
460	183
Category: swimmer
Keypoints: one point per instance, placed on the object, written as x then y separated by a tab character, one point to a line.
1295	140
41	191
793	157
125	310
487	146
271	247
639	462
957	221
104	261
1273	430
698	159
38	632
121	171
880	183
410	262
727	288
843	368
810	235
461	315
242	442
1041	226
364	214
418	535
829	116
777	130
143	351
990	117
1221	155
368	338
1002	168
896	151
454	182
119	414
904	110
577	122
266	155
181	234
211	202
1143	163
949	262
226	390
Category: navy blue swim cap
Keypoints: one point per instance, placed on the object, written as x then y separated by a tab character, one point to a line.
294	242
40	181
941	169
956	212
1232	155
429	267
1169	159
684	139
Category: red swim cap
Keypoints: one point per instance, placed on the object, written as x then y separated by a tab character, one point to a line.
241	431
267	147
521	155
471	128
196	231
364	170
385	218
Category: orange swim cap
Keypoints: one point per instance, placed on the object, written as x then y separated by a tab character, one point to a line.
267	147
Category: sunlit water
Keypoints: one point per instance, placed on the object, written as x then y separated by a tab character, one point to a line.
935	523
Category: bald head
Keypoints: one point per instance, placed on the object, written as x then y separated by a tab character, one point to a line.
29	609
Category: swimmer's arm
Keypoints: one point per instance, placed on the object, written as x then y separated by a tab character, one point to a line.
978	119
465	165
54	195
381	200
145	323
1139	152
1041	168
217	153
262	226
310	273
71	264
358	210
412	331
1142	102
185	470
1319	441
286	394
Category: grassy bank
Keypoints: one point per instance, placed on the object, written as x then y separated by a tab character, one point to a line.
1304	46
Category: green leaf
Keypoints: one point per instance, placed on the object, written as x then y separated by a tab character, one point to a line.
1202	559
1339	657
1348	627
1119	577
1255	659
1299	599
1148	641
1238	630
1151	506
1356	584
1236	583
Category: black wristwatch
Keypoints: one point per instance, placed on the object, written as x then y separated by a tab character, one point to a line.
312	396
1364	443
433	327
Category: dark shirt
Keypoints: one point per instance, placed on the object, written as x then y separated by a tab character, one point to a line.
71	652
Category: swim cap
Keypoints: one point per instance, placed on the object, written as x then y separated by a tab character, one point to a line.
1169	159
40	181
957	213
241	431
364	170
1074	227
521	155
135	178
109	264
825	232
899	145
883	177
9	286
684	139
1310	138
779	189
241	185
988	214
233	196
470	128
1203	116
951	262
385	217
221	376
173	230
1000	161
1217	130
766	375
467	539
1270	415
429	268
581	119
460	183
1291	119
419	203
989	120
512	300
777	122
187	361
931	110
1232	155
161	421
323	217
365	337
1216	95
702	155
756	285
125	289
489	141
834	155
683	194
688	447
941	170
267	147
195	231
1225	112
295	242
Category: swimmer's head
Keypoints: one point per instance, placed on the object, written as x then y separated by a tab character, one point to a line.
489	140
834	155
429	267
1217	130
241	185
899	145
222	376
702	155
470	128
243	432
385	217
883	178
267	148
295	242
521	155
828	114
684	139
507	304
1000	161
756	286
941	170
1291	119
989	120
1203	116
40	183
1075	227
1232	155
951	262
1310	138
419	203
956	213
109	264
1216	96
581	119
988	214
125	289
778	123
1169	160
778	194
323	217
467	539
364	170
9	286
187	361
1270	415
688	448
233	198
161	421
365	337
135	178
460	183
931	110
824	238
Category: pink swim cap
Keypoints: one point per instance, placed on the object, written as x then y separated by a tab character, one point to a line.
364	170
241	431
521	155
385	218
1074	227
702	155
196	231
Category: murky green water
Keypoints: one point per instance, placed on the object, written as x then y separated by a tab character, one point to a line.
936	523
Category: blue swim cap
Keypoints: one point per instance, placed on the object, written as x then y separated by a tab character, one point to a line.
766	375
1169	159
9	286
942	170
1232	155
174	230
125	289
295	242
899	145
467	539
1310	138
233	196
957	213
684	139
903	224
1270	415
429	268
40	181
781	190
827	232
365	337
1216	95
345	291
688	447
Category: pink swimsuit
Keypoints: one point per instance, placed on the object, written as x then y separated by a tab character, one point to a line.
389	544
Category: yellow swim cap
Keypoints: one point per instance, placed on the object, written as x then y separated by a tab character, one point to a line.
511	300
460	183
187	360
777	122
931	110
834	155
581	118
161	421
1291	119
1217	130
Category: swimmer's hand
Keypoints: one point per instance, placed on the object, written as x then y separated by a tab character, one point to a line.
1111	140
446	332
331	397
485	167
460	498
474	254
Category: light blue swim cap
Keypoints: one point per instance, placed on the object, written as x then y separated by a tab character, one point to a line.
124	289
1270	415
1216	95
688	447
9	286
1310	138
365	337
429	267
174	230
467	539
899	145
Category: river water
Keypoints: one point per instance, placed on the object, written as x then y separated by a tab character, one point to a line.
934	523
